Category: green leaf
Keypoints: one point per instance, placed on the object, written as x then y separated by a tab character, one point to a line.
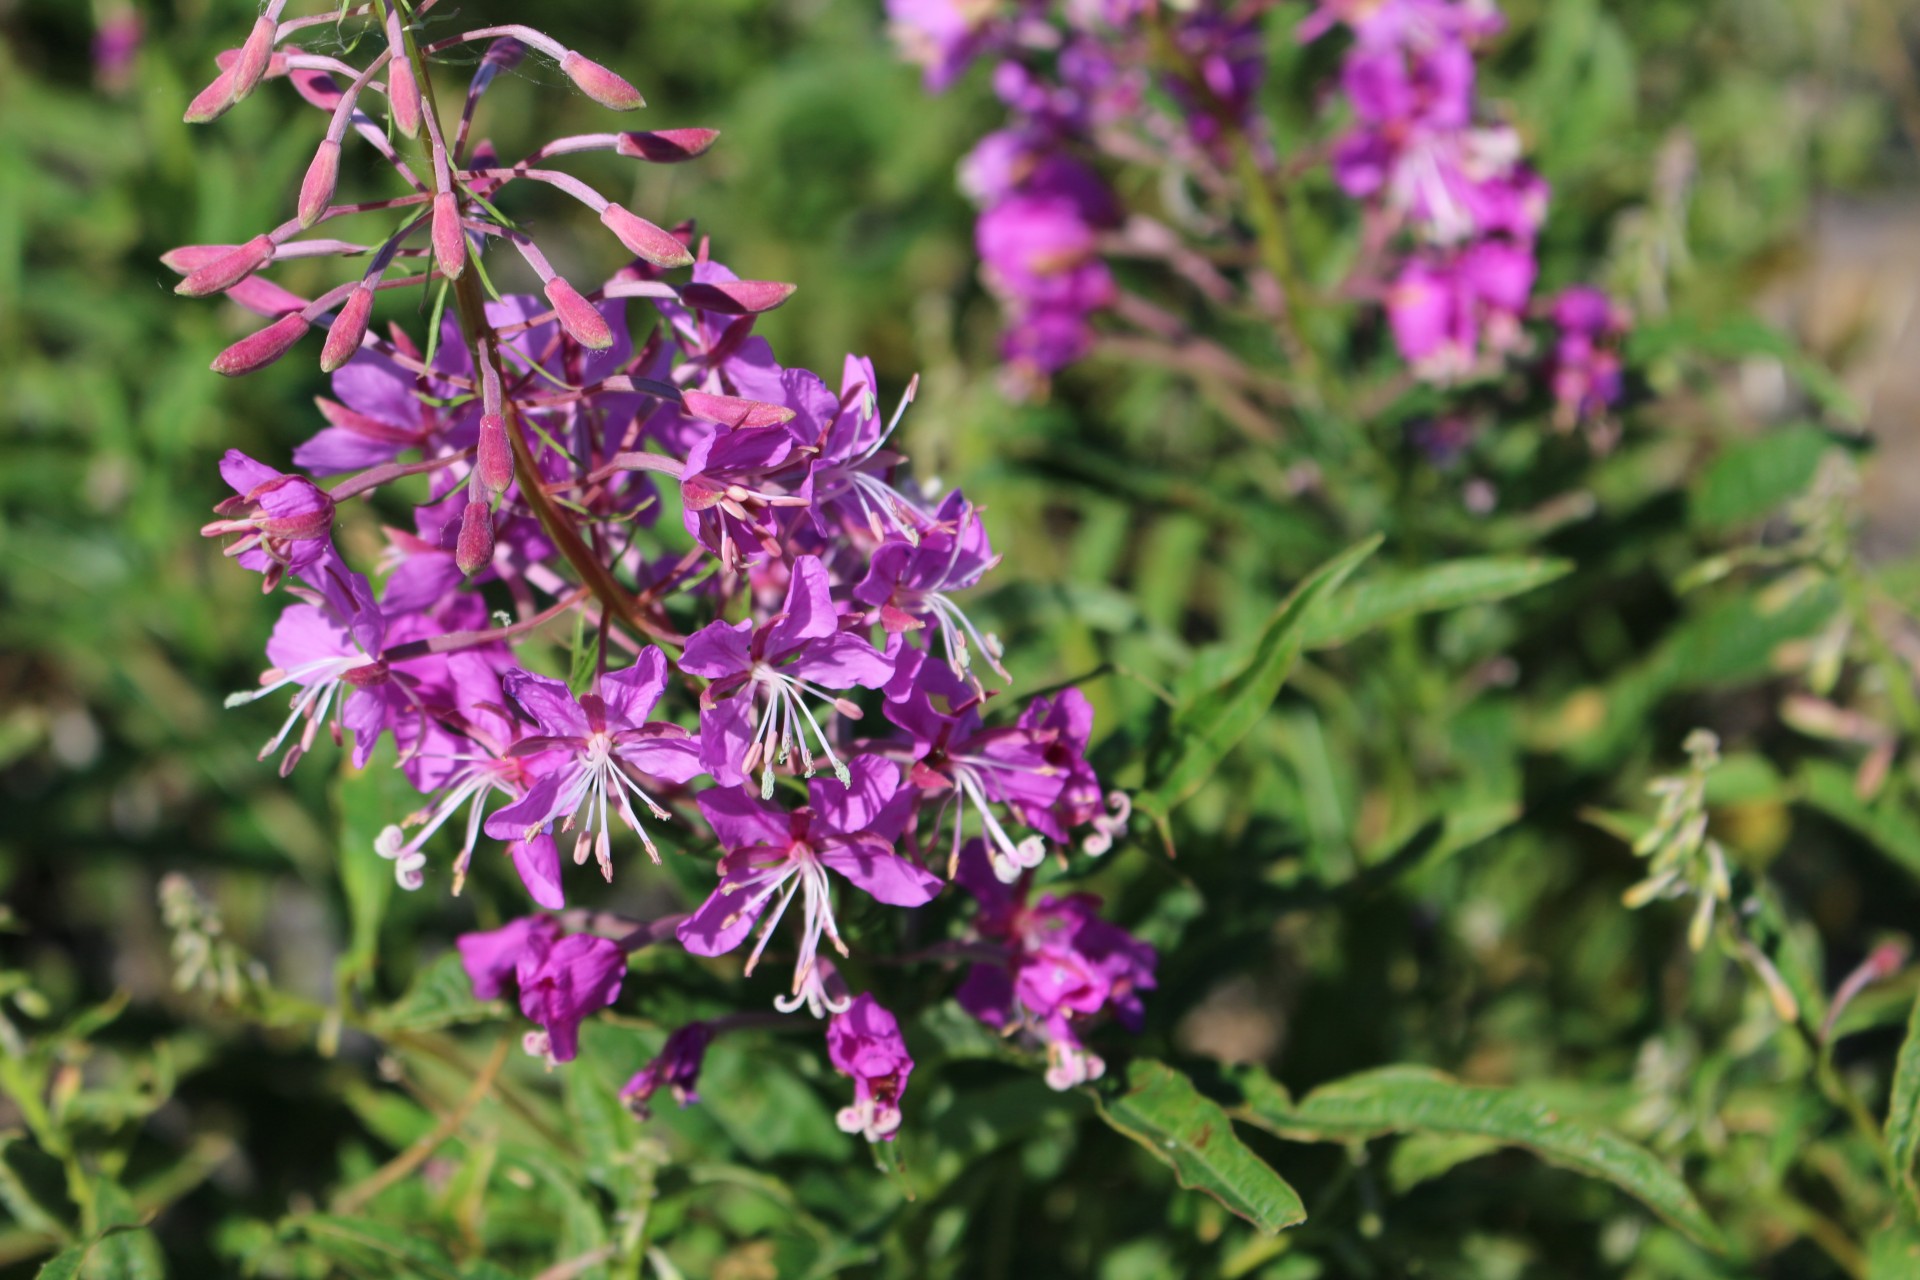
1829	788
1735	339
1209	725
1754	477
441	996
1893	1252
1417	1100
1386	597
1161	1110
64	1265
358	1243
584	670
368	800
1903	1110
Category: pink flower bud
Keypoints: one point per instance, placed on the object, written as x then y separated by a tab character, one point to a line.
732	411
600	84
494	462
449	241
316	191
349	327
255	54
736	297
474	550
227	270
260	349
577	316
403	91
211	102
642	238
665	146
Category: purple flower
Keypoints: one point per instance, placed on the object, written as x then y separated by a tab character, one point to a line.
730	489
849	829
1061	966
852	465
969	767
593	752
1065	724
328	649
677	1068
579	976
561	979
1586	374
493	956
802	652
384	410
943	36
283	521
864	1042
908	582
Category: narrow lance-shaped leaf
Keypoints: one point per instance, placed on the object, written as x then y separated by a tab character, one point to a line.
1206	728
1903	1111
1417	1100
1452	585
367	801
1161	1110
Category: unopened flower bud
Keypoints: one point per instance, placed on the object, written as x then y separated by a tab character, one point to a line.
403	91
600	84
349	327
474	550
449	241
254	57
577	316
227	270
736	297
661	248
316	190
494	461
260	349
665	146
211	102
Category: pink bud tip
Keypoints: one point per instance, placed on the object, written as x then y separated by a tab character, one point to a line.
732	411
349	327
495	458
449	241
255	54
645	240
211	102
474	550
736	297
577	316
600	84
316	191
258	350
227	270
666	146
403	95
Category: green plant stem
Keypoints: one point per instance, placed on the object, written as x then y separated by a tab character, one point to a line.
355	1197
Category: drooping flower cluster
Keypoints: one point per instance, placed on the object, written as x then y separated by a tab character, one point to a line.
822	718
1069	74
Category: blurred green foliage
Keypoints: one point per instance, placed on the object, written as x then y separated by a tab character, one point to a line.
1416	855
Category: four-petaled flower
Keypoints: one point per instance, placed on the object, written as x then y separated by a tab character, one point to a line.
594	752
774	854
802	652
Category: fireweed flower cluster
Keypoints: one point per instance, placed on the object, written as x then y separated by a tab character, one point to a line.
1429	167
823	719
1450	212
1069	76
